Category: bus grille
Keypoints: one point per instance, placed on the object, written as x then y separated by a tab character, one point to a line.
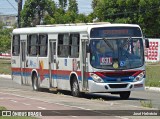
118	85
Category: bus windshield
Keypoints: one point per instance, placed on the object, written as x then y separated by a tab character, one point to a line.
116	53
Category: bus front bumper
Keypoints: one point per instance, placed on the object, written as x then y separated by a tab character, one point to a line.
115	87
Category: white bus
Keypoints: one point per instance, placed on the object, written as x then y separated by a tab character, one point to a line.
90	58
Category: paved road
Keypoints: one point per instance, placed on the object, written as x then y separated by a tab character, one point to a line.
12	94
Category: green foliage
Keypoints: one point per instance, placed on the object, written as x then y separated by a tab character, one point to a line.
5	40
152	75
1	25
63	4
35	10
73	6
2	108
5	65
147	103
146	13
81	18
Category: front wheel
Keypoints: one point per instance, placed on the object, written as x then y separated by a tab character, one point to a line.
75	88
125	95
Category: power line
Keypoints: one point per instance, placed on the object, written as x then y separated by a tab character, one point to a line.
12	5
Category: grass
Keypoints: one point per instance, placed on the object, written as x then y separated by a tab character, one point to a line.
146	103
5	66
13	117
2	108
152	72
153	75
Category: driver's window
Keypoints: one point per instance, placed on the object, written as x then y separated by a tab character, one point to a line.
136	47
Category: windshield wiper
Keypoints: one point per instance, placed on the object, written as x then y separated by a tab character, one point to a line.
110	46
125	43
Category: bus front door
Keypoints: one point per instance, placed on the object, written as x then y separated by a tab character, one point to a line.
84	65
52	64
23	62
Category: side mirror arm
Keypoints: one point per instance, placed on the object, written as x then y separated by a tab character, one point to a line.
146	43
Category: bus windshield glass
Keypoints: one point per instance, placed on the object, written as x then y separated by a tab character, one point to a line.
115	32
116	53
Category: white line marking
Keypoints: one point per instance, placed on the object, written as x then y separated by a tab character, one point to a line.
26	104
74	116
13	101
41	107
56	112
121	117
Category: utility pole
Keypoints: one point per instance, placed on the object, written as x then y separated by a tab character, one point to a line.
19	11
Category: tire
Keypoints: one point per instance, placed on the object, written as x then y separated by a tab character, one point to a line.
35	83
75	88
125	95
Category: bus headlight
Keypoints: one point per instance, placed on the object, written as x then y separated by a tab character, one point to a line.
139	77
96	78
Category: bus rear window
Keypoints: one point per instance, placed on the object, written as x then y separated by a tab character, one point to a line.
104	32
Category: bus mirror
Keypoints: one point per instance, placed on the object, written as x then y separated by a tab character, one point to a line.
146	43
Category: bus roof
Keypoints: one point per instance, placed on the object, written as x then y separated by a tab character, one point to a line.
62	28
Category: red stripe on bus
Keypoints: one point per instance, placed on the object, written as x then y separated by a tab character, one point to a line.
46	71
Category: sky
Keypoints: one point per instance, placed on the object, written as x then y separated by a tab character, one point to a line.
10	7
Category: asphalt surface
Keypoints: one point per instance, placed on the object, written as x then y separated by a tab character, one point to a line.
15	96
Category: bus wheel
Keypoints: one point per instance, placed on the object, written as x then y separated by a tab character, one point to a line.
35	83
75	88
125	95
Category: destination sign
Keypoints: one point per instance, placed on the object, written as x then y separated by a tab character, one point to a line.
115	32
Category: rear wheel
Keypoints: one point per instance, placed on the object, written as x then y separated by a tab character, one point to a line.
35	83
75	88
125	95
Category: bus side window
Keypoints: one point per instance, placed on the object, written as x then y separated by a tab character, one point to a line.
74	45
63	45
33	45
43	43
16	45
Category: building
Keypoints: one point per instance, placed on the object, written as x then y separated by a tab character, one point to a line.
8	20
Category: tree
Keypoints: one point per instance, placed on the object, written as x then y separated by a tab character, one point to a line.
63	4
146	13
5	39
94	3
81	18
69	15
34	11
73	6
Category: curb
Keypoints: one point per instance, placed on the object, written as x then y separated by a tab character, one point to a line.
5	76
153	88
146	88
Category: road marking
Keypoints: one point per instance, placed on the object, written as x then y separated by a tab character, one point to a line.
14	101
41	107
74	116
121	117
26	104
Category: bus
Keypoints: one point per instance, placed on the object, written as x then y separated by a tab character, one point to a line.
81	58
